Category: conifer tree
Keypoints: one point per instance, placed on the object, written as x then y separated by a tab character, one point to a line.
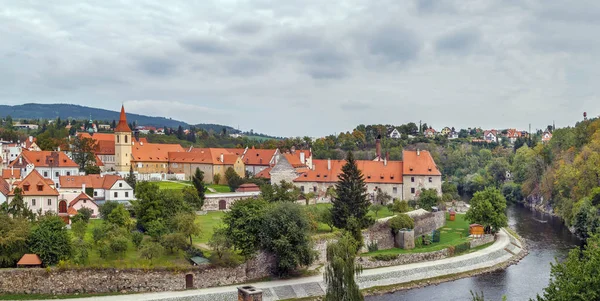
198	181
351	196
131	178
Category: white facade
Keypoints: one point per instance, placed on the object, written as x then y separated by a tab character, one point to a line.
120	192
52	173
108	161
47	203
87	204
395	134
395	190
8	153
414	183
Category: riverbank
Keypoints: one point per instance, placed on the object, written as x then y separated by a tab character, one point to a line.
504	251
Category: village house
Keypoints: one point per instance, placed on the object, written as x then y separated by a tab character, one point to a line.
256	160
490	136
151	161
50	164
11	175
210	161
70	203
446	131
546	136
395	134
101	188
8	152
419	172
39	193
453	135
430	133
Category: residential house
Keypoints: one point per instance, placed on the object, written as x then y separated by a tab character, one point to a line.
11	175
50	164
26	126
38	192
430	133
101	188
512	135
75	203
490	136
256	160
210	161
546	136
8	152
446	131
453	135
395	134
31	144
150	160
4	190
419	172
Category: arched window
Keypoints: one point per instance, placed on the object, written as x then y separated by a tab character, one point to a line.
125	138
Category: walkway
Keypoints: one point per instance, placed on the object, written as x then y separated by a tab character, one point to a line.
503	249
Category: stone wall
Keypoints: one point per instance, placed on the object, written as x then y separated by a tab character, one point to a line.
369	263
429	222
381	233
476	242
71	281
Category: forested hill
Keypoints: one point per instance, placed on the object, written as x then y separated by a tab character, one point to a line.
66	111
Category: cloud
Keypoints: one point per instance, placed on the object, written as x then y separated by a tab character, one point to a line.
205	45
156	66
460	41
393	43
355	106
245	27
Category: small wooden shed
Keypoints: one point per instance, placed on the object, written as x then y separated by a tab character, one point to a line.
30	261
476	230
452	215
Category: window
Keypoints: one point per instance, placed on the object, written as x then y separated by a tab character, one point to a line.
95	193
40	187
412	179
57	174
84	201
126	194
45	174
395	190
315	188
118	139
32	202
26	187
430	180
116	194
120	185
302	188
68	173
412	190
125	138
49	202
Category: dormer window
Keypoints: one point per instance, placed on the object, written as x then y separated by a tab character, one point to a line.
26	187
40	187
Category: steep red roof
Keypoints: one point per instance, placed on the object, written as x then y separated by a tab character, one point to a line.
122	126
259	156
11	173
295	159
373	171
30	259
44	159
80	197
36	185
4	187
419	163
265	173
204	156
151	152
90	181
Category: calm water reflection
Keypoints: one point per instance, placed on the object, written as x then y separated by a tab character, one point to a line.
546	238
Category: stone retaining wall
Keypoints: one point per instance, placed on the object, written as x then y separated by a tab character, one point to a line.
369	263
71	281
429	222
488	238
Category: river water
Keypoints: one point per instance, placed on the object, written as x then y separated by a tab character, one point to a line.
546	238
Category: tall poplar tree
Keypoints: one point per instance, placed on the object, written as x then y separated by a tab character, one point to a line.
351	196
341	269
198	181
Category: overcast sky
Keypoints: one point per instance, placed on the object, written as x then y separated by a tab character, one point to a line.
314	67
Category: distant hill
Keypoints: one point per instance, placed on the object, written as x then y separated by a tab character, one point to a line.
66	111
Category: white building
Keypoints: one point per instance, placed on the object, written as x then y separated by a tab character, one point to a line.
39	194
101	188
50	164
395	134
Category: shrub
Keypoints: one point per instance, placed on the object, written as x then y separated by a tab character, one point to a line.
136	238
385	257
372	246
151	250
401	221
118	245
173	242
464	247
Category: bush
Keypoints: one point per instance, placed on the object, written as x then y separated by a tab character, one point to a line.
401	221
151	250
173	242
385	257
136	238
464	247
372	246
118	245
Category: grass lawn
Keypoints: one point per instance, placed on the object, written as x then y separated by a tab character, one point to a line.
452	234
218	188
207	222
171	185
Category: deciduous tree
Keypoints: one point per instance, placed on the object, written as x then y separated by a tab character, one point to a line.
341	270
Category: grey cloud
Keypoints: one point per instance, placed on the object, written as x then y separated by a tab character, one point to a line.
393	43
352	105
245	27
156	66
205	45
247	66
431	6
460	41
297	40
326	63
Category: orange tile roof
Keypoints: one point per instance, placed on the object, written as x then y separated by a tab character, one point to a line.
30	259
373	171
98	161
265	173
421	164
4	187
71	211
294	158
105	143
11	173
98	136
204	156
90	181
35	181
82	196
122	126
44	159
259	156
151	152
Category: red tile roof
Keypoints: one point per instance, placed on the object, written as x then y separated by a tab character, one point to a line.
4	187
37	185
265	173
294	158
30	259
151	152
419	163
44	159
122	126
11	173
204	156
259	156
82	196
373	171
71	211
90	181
105	143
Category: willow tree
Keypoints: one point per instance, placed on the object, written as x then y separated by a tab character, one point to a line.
341	270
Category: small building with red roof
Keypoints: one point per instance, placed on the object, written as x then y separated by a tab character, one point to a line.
50	164
38	193
29	261
100	188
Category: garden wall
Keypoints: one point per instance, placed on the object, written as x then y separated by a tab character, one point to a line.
428	222
369	263
488	238
70	281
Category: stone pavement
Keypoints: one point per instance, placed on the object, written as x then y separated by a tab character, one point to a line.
503	250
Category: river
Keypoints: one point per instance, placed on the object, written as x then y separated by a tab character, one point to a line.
546	238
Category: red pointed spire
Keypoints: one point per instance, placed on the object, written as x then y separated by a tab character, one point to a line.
122	126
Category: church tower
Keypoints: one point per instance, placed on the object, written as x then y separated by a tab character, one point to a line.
123	144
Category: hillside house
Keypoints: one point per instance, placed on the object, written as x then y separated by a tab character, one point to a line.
490	136
430	133
395	134
546	136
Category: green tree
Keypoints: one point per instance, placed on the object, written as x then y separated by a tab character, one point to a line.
382	197
497	171
428	198
173	242
577	277
186	225
586	220
81	251
512	192
118	245
376	208
151	250
233	179
488	209
50	240
216	179
401	221
191	198
285	232
352	198
243	225
130	179
341	270
120	217
156	229
84	214
106	208
17	207
219	242
198	181
13	239
83	151
148	206
136	238
79	227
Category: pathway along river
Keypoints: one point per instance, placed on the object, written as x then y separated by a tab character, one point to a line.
546	238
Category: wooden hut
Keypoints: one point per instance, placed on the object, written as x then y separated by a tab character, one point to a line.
452	215
476	230
30	261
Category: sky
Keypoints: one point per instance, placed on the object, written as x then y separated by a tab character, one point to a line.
309	68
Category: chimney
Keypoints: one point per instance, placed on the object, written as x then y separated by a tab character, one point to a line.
222	158
302	157
12	171
249	293
83	187
378	147
293	150
418	152
20	160
59	148
328	164
385	161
